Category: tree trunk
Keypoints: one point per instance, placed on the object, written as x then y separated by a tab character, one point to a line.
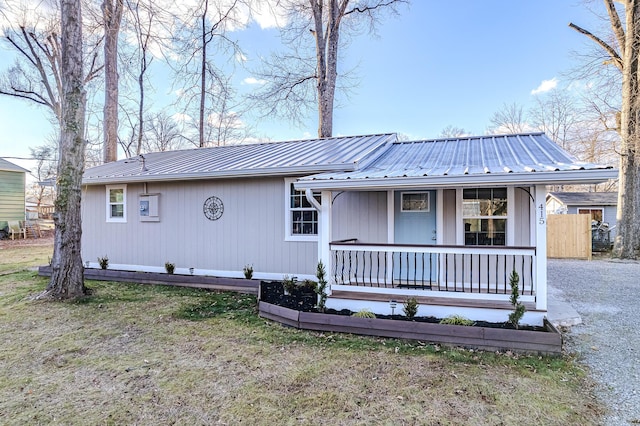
112	14
627	242
67	277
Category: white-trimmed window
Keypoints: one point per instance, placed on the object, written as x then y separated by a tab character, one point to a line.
301	219
116	203
484	215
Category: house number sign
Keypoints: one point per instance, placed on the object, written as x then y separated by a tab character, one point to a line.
541	220
213	208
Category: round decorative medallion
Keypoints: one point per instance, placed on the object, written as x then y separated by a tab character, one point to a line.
213	208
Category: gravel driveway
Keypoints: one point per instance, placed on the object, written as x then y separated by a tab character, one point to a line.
606	294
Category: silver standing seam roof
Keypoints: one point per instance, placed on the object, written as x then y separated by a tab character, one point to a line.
506	159
301	157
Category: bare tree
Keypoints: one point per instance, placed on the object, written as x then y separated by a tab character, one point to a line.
624	53
452	131
556	114
44	171
67	276
205	48
510	119
36	75
306	76
162	134
112	17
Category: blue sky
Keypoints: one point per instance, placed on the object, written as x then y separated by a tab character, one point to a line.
439	63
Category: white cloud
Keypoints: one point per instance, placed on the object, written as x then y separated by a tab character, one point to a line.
181	118
253	80
545	86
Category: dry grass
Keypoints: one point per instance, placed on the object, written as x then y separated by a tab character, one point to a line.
133	354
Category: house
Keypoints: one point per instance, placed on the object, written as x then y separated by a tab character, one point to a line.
602	206
445	221
12	192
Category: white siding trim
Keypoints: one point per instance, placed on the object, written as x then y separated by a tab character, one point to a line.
122	219
439	216
288	236
511	214
540	272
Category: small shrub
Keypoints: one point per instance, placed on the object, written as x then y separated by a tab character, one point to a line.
364	313
169	267
518	307
289	283
456	320
309	285
410	307
248	271
321	288
104	262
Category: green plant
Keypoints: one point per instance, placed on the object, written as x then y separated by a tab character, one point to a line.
364	313
104	262
456	320
321	288
309	284
518	307
169	267
289	284
248	271
410	307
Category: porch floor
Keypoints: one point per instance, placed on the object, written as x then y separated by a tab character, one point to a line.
428	300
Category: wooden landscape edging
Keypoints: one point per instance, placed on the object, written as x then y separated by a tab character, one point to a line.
485	338
240	285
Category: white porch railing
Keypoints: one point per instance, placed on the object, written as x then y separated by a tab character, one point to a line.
467	269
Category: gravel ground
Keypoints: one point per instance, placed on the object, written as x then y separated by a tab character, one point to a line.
606	294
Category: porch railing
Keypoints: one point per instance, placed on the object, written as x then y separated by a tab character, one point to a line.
471	269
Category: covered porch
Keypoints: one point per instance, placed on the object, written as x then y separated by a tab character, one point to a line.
444	221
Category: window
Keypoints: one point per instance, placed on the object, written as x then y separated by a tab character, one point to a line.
415	202
484	214
596	213
116	203
301	220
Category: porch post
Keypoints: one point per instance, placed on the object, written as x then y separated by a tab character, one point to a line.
324	236
540	219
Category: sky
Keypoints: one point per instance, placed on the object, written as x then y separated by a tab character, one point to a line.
438	63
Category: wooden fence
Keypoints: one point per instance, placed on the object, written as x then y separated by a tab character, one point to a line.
569	236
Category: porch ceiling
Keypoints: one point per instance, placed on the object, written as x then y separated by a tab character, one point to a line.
524	159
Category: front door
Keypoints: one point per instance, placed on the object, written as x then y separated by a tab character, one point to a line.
414	223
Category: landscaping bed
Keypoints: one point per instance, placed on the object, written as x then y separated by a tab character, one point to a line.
295	310
196	281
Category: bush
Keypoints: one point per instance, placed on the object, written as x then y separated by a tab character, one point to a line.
248	271
321	288
364	313
518	307
456	320
410	307
104	262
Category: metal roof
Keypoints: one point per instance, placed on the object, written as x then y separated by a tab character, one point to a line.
276	158
10	167
518	158
586	198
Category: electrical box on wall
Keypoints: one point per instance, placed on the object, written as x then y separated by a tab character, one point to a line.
148	208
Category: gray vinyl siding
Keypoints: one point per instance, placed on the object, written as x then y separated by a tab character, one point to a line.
449	216
361	215
522	214
251	230
12	193
609	215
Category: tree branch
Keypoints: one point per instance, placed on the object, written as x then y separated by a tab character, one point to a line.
615	57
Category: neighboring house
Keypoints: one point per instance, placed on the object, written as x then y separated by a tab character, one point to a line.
601	206
443	220
12	192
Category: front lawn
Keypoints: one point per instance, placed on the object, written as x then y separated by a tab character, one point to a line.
160	355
